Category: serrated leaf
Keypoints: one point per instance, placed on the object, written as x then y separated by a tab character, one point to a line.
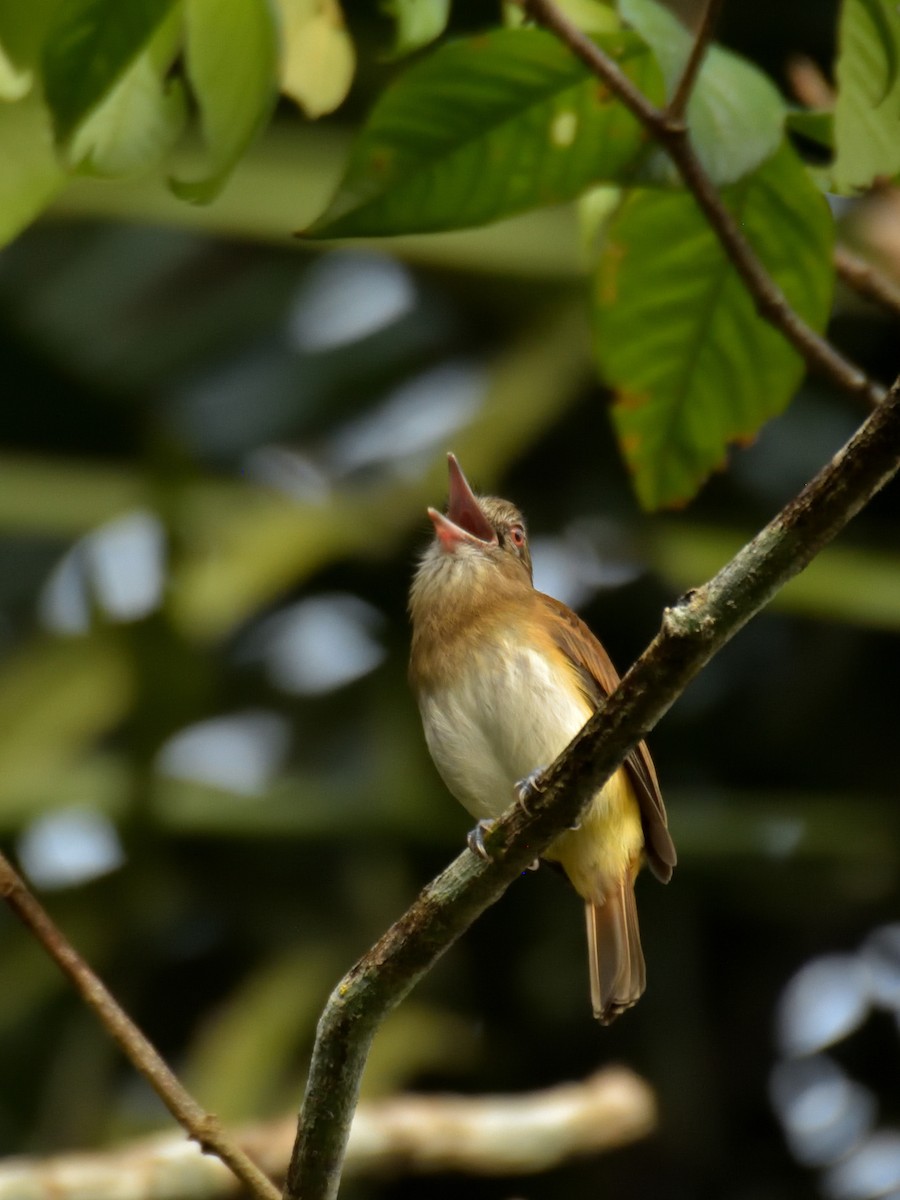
486	127
677	336
232	64
867	111
141	117
416	23
318	58
32	173
735	113
89	45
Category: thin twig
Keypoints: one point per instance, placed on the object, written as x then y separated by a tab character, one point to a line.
677	106
672	136
808	82
866	279
202	1126
692	632
517	1134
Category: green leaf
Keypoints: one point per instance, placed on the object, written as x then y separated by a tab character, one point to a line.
417	22
23	28
486	127
89	46
867	112
590	16
141	117
814	124
735	113
31	174
232	63
677	336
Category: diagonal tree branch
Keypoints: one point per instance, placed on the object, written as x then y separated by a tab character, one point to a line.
672	136
867	280
692	631
677	106
202	1126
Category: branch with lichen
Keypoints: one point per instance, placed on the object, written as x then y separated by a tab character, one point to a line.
693	630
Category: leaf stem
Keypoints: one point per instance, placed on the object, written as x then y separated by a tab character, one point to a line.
677	106
867	279
672	135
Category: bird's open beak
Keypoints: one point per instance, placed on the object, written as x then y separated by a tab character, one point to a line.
464	522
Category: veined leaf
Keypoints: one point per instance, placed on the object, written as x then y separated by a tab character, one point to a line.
89	45
867	112
677	336
735	113
486	127
232	63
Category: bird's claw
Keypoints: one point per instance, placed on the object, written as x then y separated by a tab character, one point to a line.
529	787
475	839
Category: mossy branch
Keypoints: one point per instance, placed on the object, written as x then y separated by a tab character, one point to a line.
692	631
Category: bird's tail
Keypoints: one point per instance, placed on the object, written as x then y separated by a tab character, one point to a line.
618	975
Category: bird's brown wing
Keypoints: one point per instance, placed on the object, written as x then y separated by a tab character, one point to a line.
599	678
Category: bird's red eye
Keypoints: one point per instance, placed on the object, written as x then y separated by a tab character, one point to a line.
517	535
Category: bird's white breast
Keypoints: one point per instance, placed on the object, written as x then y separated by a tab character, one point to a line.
511	711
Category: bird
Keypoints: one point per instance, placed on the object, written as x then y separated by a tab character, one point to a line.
505	677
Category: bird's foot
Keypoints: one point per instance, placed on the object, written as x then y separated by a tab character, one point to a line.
475	838
529	787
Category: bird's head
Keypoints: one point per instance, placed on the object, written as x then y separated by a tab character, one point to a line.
480	546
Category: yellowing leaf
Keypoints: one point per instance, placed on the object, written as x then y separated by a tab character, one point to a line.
318	58
693	365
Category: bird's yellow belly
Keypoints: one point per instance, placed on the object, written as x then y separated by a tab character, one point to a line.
609	841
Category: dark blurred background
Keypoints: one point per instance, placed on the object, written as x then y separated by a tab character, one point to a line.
218	446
